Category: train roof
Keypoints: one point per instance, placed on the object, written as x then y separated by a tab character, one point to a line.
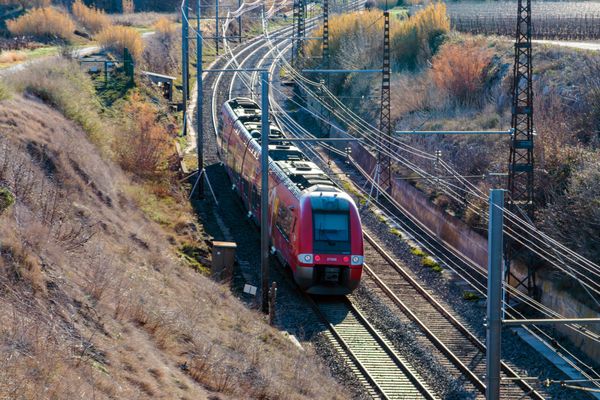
300	173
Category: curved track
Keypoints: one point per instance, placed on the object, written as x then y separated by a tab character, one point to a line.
369	355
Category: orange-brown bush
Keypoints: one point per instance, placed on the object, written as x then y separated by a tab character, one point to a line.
44	22
118	38
93	19
460	69
142	148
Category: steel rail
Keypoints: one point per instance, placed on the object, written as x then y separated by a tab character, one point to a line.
363	345
447	315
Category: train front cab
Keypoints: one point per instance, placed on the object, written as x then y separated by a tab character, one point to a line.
330	247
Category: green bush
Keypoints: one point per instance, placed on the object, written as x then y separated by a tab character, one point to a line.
470	296
7	199
431	263
417	252
4	92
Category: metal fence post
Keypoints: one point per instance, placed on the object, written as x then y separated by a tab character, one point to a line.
494	295
272	299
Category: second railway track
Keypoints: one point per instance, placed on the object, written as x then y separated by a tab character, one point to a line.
458	349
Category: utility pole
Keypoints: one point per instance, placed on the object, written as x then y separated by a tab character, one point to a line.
494	295
521	162
184	60
264	192
326	34
385	123
217	25
240	22
300	27
199	104
325	59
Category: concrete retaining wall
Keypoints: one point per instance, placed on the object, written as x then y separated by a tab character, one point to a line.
472	245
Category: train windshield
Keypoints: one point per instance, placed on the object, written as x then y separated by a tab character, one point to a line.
331	232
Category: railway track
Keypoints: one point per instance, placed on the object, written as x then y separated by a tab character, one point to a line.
368	354
458	349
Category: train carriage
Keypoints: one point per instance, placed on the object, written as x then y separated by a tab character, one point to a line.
314	227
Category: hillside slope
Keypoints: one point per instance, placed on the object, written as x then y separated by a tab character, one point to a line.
94	302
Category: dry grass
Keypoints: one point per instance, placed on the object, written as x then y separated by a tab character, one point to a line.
93	19
461	70
94	302
356	39
43	23
119	38
67	88
162	52
164	26
8	57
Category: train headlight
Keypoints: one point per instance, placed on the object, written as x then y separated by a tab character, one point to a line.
305	258
317	258
357	260
346	259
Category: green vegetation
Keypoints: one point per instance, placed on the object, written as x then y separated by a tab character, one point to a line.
470	296
5	92
395	232
66	87
416	251
195	257
7	199
431	263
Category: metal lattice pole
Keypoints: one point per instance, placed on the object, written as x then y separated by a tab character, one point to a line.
326	34
521	161
300	28
385	124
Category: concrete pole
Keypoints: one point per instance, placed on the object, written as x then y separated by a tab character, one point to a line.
264	192
184	60
199	105
494	295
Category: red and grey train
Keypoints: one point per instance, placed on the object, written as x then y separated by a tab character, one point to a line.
314	227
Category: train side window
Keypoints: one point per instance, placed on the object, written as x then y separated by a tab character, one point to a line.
285	220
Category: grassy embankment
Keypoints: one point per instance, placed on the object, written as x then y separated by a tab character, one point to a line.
99	294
